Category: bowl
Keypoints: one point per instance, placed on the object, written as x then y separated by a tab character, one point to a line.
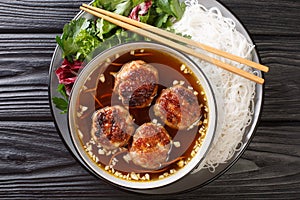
83	105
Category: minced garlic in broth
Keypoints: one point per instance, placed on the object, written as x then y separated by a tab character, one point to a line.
98	93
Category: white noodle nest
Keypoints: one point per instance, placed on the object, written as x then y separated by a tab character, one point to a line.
208	26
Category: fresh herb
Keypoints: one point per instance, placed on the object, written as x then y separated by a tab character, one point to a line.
78	39
137	2
121	7
61	103
62	90
172	30
171	7
104	28
177	8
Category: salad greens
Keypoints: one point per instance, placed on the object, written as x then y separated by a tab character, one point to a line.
61	103
83	37
121	7
78	39
160	13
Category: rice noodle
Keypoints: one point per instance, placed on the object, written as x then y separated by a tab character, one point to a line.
234	94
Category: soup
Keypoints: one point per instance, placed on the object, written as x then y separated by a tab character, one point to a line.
170	90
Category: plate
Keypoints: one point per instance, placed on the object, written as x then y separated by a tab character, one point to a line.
194	180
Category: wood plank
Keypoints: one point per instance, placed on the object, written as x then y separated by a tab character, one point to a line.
50	16
282	86
25	61
267	17
35	163
36	16
24	66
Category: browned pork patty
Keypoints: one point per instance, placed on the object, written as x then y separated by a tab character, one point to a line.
178	107
136	84
151	146
112	127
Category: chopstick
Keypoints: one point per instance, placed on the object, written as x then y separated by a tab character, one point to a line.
180	38
133	27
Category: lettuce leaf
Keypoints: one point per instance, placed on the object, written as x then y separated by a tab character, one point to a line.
171	7
177	8
104	28
78	39
137	2
121	7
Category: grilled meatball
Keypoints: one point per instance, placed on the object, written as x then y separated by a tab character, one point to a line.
112	127
178	107
136	84
151	146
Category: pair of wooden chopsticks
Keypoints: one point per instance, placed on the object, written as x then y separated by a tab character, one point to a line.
154	32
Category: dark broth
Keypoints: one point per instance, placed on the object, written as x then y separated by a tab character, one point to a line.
98	93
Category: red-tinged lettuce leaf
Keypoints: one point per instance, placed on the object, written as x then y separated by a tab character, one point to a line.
141	10
67	74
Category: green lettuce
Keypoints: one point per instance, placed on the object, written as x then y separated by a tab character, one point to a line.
78	39
171	7
121	7
61	103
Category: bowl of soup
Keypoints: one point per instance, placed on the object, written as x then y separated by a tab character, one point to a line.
142	115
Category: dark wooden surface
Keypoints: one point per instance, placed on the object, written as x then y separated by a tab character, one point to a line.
34	163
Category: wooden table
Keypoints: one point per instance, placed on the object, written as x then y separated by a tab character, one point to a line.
34	163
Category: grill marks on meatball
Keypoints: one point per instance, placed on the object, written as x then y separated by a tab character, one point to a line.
151	146
136	84
112	127
178	107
